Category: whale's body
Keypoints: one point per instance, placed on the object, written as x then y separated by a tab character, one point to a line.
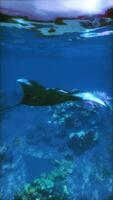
37	95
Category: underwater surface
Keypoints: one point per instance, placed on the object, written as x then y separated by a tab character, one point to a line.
61	152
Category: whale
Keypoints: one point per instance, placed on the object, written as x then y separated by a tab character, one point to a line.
35	94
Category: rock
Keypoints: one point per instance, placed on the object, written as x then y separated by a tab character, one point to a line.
51	30
82	141
59	21
95	22
109	13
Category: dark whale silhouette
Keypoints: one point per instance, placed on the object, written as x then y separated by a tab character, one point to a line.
35	94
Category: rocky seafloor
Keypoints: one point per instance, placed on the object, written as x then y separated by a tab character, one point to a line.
62	152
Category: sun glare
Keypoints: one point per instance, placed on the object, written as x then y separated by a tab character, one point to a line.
92	5
89	6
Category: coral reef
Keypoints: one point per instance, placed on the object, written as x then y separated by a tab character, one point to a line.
82	141
49	186
77	132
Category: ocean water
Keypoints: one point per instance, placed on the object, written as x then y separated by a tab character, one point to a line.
32	139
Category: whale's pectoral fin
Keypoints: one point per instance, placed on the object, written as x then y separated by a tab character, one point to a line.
31	89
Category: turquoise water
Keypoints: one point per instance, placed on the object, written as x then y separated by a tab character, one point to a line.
31	138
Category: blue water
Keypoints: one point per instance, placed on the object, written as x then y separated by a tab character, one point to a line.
64	61
87	63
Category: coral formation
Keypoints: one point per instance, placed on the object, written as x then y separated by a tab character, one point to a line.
49	186
82	141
